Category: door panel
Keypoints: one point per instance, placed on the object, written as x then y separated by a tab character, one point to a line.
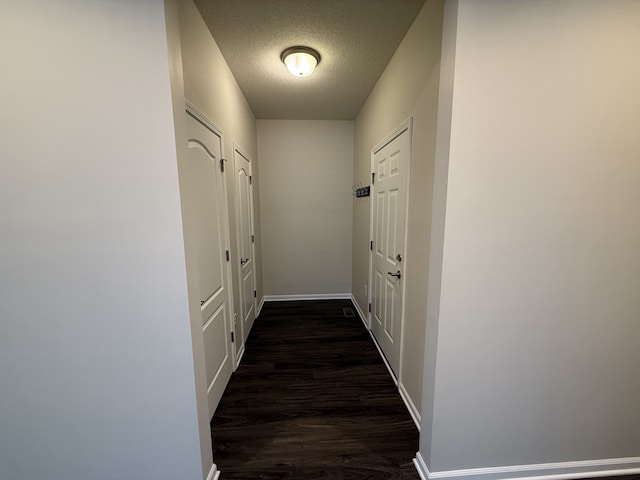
216	351
246	239
390	164
206	184
208	241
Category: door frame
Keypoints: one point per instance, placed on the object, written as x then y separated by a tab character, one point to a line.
407	126
192	110
238	149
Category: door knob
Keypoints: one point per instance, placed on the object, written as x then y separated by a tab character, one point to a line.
397	274
399	257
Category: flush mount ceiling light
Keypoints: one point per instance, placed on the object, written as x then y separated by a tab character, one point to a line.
300	61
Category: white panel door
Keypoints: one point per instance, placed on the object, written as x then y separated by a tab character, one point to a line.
389	204
207	188
246	238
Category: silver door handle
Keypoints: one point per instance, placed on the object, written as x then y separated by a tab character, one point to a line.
397	274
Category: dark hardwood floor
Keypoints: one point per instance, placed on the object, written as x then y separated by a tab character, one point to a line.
312	399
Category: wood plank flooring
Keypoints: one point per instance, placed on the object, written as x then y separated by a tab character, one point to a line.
312	399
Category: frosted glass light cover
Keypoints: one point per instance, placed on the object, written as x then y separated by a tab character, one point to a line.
300	64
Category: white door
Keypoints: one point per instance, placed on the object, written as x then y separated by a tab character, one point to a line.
389	207
206	183
246	238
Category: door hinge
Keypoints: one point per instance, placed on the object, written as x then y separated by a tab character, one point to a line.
233	339
373	178
369	308
222	165
255	294
371	245
253	239
227	254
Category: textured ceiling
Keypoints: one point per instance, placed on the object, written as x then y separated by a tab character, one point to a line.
356	39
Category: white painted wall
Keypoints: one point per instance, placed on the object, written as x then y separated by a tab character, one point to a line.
408	87
306	201
538	333
96	353
211	87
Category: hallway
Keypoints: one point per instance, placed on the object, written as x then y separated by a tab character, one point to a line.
312	399
520	339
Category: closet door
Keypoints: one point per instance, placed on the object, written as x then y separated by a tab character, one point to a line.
246	238
389	211
206	183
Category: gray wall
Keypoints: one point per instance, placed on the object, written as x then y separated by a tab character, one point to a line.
96	362
306	200
538	339
408	87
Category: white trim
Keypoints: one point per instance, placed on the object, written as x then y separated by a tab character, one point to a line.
406	124
384	359
215	377
413	411
260	305
214	473
361	314
543	471
372	191
238	358
241	151
202	118
421	467
308	296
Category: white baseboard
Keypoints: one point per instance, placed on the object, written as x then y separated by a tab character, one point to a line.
214	473
413	411
361	314
544	471
384	359
309	296
421	467
363	317
260	305
238	358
